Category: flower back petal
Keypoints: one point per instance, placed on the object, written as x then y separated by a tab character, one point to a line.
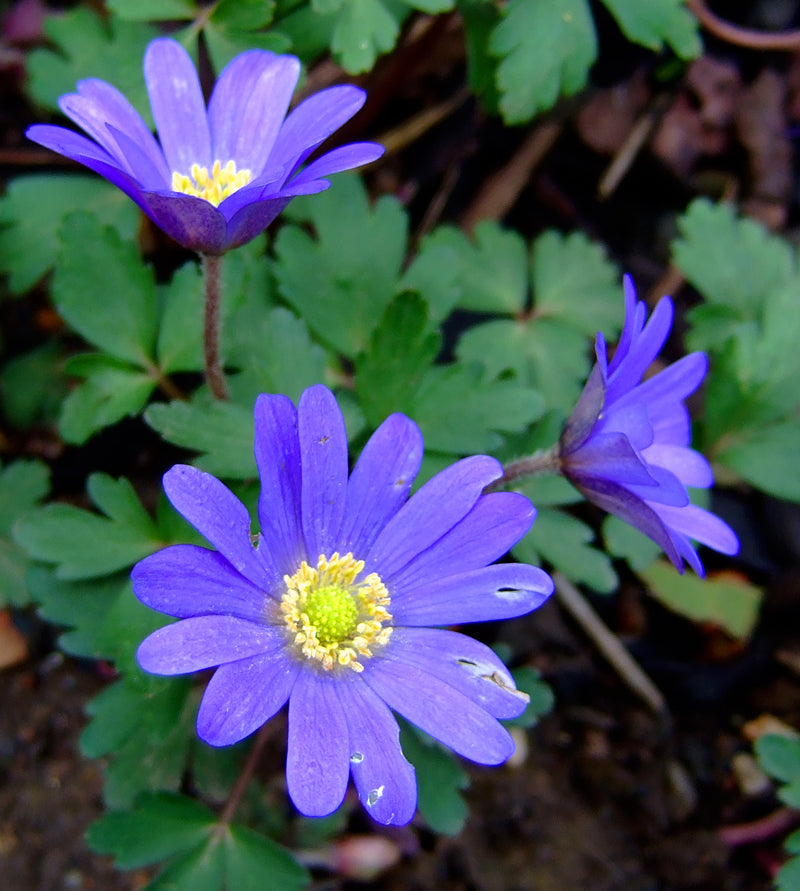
179	109
502	591
431	512
323	457
318	755
380	481
277	450
218	515
248	106
385	781
440	710
205	642
243	695
344	158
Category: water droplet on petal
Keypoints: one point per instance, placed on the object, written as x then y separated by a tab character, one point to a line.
375	796
357	757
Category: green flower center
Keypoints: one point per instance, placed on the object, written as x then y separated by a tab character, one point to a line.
334	613
215	187
335	617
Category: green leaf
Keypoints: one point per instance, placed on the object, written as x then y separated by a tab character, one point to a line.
460	409
88	47
563	541
31	213
546	49
160	826
32	386
202	869
545	354
733	262
440	779
767	458
148	728
86	545
254	863
80	607
102	289
479	20
334	281
788	876
274	354
222	431
400	352
574	282
490	271
652	23
151	10
112	390
730	603
23	485
364	29
780	756
180	332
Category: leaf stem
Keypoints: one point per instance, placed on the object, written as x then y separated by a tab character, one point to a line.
215	377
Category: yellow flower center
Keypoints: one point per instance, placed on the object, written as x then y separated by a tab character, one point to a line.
334	618
222	182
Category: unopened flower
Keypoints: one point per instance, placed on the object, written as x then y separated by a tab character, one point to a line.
328	607
626	444
220	175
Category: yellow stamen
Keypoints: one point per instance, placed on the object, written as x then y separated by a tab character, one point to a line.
334	618
222	182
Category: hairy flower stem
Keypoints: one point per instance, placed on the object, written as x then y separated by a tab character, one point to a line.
244	777
546	462
215	377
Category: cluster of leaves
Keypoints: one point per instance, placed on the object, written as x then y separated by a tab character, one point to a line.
750	327
522	56
780	757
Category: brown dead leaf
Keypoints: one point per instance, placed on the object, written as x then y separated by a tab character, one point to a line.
13	647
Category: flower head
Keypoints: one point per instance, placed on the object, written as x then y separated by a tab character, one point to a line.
328	607
222	174
626	444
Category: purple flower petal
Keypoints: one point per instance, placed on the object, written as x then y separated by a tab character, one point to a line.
243	695
250	106
385	781
104	109
496	592
463	663
313	121
218	515
186	580
380	482
633	460
702	526
440	710
345	158
318	756
204	642
323	456
467	546
191	221
179	109
431	512
277	451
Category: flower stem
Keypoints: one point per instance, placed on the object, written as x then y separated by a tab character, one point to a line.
244	777
545	462
788	41
215	377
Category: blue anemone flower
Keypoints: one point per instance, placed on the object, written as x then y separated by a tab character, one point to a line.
626	444
220	175
329	606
